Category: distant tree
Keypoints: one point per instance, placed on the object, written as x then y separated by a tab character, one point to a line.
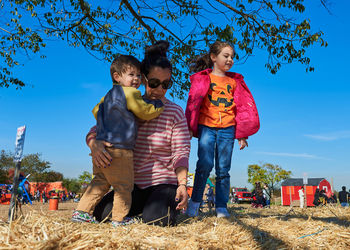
33	164
270	174
71	184
49	176
85	177
104	28
6	162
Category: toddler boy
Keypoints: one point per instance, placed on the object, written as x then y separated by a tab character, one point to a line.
116	124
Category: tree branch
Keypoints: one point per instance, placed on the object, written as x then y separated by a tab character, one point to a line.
165	28
5	30
133	12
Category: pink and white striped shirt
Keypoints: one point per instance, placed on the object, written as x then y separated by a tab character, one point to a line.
162	145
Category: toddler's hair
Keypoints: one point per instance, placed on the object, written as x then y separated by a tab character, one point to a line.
156	56
204	61
121	63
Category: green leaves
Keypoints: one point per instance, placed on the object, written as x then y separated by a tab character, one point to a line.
126	27
267	173
31	164
85	177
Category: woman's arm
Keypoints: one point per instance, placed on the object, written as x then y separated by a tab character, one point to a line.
181	192
180	147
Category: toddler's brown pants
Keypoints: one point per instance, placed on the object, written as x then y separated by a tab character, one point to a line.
119	175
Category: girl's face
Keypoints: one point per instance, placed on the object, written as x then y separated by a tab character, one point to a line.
224	60
160	74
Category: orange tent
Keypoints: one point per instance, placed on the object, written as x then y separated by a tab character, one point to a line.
46	186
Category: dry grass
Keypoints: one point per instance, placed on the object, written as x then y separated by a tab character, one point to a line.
248	228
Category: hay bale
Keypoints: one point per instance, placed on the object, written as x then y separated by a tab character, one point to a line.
248	228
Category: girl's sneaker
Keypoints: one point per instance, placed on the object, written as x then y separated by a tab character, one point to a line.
221	212
80	216
125	222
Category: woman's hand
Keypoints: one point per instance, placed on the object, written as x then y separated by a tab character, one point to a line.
182	197
242	143
100	157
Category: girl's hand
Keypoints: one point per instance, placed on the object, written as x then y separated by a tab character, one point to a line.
100	157
182	197
191	134
242	143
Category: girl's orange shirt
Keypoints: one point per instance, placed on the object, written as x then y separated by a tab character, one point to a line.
218	108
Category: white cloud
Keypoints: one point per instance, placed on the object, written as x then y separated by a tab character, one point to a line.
300	155
330	136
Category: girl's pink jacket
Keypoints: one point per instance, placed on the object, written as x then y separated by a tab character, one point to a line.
247	118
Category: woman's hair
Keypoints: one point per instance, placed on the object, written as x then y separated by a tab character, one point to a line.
155	56
204	61
258	189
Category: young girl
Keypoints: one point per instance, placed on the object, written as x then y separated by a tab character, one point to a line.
219	109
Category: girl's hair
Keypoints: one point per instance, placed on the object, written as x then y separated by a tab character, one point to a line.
155	56
204	61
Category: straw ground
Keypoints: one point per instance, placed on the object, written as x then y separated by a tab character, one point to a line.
248	228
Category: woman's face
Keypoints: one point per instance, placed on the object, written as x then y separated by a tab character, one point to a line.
160	74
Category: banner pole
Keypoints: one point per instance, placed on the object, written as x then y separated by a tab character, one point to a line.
17	158
14	193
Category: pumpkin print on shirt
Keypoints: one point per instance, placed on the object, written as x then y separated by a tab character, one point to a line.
218	108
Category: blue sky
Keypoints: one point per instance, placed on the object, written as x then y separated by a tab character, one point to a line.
304	116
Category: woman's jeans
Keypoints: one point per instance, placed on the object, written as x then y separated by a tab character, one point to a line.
214	144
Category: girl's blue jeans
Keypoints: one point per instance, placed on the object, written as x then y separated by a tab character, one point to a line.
214	144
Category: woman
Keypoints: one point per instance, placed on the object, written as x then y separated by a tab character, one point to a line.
316	201
161	152
258	193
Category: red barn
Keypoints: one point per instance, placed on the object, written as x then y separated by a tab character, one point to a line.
290	188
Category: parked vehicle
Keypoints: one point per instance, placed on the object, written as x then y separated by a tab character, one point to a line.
241	195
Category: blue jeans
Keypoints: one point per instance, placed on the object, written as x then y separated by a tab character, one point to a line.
214	144
344	204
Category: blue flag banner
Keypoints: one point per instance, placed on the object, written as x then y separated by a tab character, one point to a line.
19	143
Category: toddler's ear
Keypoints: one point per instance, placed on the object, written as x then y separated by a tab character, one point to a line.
116	77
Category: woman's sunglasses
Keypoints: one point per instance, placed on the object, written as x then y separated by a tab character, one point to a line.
154	83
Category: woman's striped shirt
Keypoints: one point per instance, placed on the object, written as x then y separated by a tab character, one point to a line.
162	145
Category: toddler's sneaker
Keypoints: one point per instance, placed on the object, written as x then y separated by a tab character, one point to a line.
221	212
192	208
80	216
125	222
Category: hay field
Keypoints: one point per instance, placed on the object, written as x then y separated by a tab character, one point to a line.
248	228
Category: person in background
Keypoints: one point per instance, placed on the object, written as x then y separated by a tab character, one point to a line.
267	195
332	198
323	197
43	196
259	197
301	197
38	195
316	200
343	197
210	197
